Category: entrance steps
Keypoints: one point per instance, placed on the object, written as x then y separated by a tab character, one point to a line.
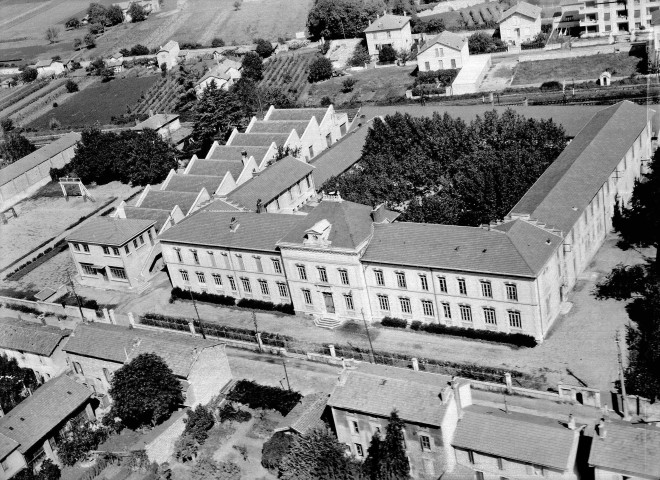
329	323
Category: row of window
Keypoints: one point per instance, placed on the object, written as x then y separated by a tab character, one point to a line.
424	440
465	311
114	251
245	282
348	299
486	286
226	260
118	273
323	274
535	470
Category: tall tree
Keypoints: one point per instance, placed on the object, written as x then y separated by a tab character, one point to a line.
372	465
14	383
144	391
137	13
393	451
96	13
253	66
114	15
342	18
15	147
52	33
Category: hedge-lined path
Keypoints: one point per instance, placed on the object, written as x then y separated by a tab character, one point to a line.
582	340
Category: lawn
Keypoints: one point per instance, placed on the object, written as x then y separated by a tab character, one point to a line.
580	68
98	103
375	84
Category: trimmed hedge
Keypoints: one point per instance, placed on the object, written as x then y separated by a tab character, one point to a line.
416	325
180	294
517	339
262	396
269	306
23	308
394	322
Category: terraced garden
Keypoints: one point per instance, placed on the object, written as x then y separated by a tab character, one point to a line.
162	97
288	72
483	15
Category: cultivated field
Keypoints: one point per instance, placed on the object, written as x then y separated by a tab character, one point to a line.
98	103
374	84
580	68
288	72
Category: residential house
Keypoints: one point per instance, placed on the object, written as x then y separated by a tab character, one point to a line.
116	63
429	407
168	55
30	432
111	253
444	51
166	124
224	74
621	451
49	68
95	351
495	444
229	253
608	18
34	346
653	48
306	416
149	6
520	23
392	30
28	174
322	254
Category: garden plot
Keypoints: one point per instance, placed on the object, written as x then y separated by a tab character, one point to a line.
288	72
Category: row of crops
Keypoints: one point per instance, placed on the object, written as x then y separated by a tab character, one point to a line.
288	72
162	97
483	15
22	92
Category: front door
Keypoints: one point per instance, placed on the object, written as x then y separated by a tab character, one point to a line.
329	302
104	272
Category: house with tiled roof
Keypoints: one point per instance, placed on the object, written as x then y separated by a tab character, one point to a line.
229	253
495	444
306	416
166	124
49	68
95	351
388	29
168	55
34	346
111	252
30	431
444	51
520	23
428	405
224	74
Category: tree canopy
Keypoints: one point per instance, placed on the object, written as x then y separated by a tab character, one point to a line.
96	13
114	15
320	69
253	66
29	74
333	19
131	157
264	48
386	458
14	382
15	147
441	170
144	391
137	13
481	42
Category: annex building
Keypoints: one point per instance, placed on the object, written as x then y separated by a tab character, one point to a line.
338	260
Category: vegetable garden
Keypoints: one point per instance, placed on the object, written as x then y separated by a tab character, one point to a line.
288	72
481	16
162	97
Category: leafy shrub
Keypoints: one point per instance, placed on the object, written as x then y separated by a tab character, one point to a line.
264	48
426	77
416	325
319	70
387	54
447	76
23	308
185	448
217	42
360	56
298	44
324	47
199	422
274	450
347	85
551	85
229	413
394	322
78	441
261	396
180	294
71	86
518	339
268	306
326	101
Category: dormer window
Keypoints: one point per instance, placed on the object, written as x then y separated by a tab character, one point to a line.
318	234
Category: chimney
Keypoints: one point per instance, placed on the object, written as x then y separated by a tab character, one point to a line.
244	157
233	224
378	213
571	422
601	430
462	394
260	206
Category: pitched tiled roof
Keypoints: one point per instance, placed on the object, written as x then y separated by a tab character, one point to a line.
37	157
114	343
256	231
193	183
158	216
305	416
218	205
447	39
109	231
43	63
269	126
270	183
164	200
351	224
572	118
387	22
229	152
632	450
523	8
471	249
156	121
30	337
298	114
169	46
340	157
259	139
217	168
7	445
48	407
568	185
516	436
378	395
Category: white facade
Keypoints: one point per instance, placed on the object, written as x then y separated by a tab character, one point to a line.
605	18
519	28
442	57
389	30
52	70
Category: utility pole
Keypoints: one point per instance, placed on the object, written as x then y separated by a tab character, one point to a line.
73	290
286	374
199	320
256	332
621	378
366	327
